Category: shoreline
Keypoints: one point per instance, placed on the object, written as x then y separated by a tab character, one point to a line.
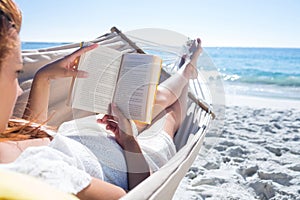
261	102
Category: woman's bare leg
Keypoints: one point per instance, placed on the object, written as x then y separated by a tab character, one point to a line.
171	89
175	114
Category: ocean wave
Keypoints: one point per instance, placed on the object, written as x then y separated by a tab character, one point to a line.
262	90
282	80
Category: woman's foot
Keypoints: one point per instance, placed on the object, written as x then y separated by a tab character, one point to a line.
190	70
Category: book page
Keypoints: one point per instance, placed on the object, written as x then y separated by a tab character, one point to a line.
133	85
95	92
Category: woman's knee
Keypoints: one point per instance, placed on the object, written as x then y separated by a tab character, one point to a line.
164	96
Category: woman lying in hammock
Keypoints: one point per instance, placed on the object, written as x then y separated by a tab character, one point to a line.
77	167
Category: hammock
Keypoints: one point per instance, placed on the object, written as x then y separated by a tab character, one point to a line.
188	139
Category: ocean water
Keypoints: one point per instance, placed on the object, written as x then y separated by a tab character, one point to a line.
266	72
38	45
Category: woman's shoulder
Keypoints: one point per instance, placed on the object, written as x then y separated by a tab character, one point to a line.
20	135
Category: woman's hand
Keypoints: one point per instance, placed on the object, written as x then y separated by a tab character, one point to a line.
64	67
137	166
119	125
37	105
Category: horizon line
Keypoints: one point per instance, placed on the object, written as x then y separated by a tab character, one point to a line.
210	46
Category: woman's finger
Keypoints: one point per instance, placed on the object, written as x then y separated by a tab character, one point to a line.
61	72
111	128
81	51
112	123
77	73
82	74
104	118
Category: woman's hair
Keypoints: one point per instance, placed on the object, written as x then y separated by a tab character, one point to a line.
20	129
10	20
10	24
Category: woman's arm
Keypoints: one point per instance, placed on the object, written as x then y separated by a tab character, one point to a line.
99	189
137	167
37	105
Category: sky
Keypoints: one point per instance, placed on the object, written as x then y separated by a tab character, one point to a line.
219	23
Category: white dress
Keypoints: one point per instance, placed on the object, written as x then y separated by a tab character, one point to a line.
64	164
82	149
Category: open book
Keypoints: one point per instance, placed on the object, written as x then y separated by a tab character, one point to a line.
129	80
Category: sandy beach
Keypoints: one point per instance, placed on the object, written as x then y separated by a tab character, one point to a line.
252	154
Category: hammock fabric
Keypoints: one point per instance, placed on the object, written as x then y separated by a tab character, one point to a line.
188	139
